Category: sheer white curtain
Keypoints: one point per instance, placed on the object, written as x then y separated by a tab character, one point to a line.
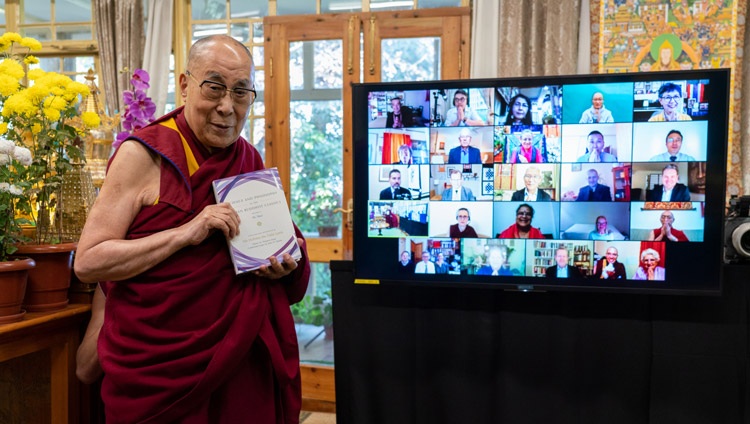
157	50
531	37
119	32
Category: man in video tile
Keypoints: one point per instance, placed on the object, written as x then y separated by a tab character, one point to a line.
597	112
594	192
400	117
609	267
465	152
531	192
669	190
561	269
457	191
395	191
667	232
595	152
670	97
673	154
461	114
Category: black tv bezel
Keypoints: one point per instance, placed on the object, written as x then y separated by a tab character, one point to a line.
704	279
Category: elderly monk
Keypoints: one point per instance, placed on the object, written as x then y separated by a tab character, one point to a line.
183	338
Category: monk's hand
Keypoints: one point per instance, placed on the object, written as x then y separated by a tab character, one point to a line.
278	269
221	217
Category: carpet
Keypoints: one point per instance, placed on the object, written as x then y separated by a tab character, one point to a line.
316	418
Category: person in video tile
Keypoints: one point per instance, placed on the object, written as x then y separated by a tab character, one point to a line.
561	269
526	152
400	117
522	227
669	190
608	267
457	192
462	229
405	156
461	114
405	265
519	112
670	97
465	152
425	266
496	258
649	269
597	112
595	152
673	154
602	231
531	192
395	191
594	192
441	267
666	232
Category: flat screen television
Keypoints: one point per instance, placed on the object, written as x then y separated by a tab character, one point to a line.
585	182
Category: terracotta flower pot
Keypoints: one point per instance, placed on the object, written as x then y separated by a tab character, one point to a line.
13	278
47	289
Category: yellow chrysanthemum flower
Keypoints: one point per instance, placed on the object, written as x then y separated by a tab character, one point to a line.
36	128
90	119
35	74
8	85
11	37
31	60
11	68
55	102
18	104
51	114
3	128
31	43
4	45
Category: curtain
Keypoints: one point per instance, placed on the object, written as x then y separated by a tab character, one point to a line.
119	31
391	143
157	50
743	102
533	37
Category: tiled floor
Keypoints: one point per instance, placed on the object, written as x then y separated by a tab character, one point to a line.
314	347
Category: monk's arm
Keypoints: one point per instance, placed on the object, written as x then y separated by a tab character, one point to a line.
88	368
132	182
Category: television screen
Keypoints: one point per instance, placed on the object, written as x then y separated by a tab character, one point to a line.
587	182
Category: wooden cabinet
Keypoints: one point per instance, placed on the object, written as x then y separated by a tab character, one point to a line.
37	366
621	177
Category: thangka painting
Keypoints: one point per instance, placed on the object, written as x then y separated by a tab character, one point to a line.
658	35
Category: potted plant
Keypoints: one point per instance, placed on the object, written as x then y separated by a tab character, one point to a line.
315	310
38	111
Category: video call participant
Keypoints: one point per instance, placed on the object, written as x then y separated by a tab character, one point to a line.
594	192
522	227
670	97
405	156
425	266
673	154
609	267
462	229
395	191
669	190
405	265
457	191
496	258
531	193
561	269
400	117
461	114
519	111
595	151
526	152
649	269
156	242
602	231
667	232
441	267
464	152
597	112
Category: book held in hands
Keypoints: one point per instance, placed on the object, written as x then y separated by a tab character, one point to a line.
266	227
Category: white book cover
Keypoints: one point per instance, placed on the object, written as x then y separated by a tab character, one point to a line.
266	227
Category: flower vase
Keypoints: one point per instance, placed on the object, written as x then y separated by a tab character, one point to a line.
13	279
47	288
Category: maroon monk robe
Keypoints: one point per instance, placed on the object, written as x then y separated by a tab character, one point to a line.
188	340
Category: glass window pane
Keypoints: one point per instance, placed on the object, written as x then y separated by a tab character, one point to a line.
257	32
313	318
41	34
340	6
328	64
72	11
240	32
316	164
2	15
209	9
410	59
49	64
296	66
295	7
36	12
426	4
259	136
204	30
260	81
241	9
76	32
381	5
258	55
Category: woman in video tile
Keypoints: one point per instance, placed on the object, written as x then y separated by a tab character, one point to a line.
522	227
649	269
519	112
